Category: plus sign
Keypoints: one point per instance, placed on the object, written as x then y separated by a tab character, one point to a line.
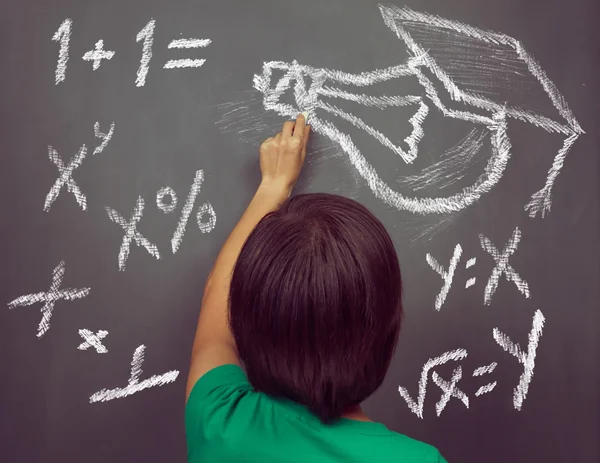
98	54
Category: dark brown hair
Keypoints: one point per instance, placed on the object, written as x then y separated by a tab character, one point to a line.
315	303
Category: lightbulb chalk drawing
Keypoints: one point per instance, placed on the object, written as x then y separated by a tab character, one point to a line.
468	63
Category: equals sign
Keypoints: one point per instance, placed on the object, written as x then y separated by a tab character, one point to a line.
186	63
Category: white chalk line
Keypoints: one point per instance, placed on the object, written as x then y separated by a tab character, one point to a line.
93	340
50	297
485	389
408	157
542	200
453	165
189	43
449	390
66	178
502	266
206	226
131	232
134	385
66	173
380	102
167	208
62	35
447	276
470	282
106	137
184	63
98	54
147	35
187	210
526	359
485	370
417	407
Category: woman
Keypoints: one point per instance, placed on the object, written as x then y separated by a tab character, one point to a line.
306	293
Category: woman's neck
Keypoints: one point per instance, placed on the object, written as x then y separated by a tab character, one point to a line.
355	413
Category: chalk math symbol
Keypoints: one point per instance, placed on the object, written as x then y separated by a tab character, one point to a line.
527	359
325	82
93	340
186	44
98	54
65	177
131	233
417	406
503	266
50	298
206	216
134	384
449	389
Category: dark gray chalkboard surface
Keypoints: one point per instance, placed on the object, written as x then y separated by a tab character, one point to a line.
477	149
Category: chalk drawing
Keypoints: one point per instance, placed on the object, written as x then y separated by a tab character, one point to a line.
502	266
424	35
50	297
417	407
447	276
454	164
449	390
485	370
98	54
62	35
470	282
169	207
131	233
485	389
93	340
189	43
186	63
206	226
205	209
66	178
104	136
526	359
134	384
147	35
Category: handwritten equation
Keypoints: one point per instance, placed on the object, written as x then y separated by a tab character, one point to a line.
98	54
450	388
502	267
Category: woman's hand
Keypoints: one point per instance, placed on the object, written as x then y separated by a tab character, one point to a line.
282	156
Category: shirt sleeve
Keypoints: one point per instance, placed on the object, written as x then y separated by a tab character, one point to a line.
212	403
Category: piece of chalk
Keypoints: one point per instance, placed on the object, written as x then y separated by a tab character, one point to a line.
305	114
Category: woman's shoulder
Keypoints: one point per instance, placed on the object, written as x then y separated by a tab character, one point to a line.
418	450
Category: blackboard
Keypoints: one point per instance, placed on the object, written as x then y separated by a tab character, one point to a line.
469	128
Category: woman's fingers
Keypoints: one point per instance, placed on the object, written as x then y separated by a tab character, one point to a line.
299	127
288	128
305	141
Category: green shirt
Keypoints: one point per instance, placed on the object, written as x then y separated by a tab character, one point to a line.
227	421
